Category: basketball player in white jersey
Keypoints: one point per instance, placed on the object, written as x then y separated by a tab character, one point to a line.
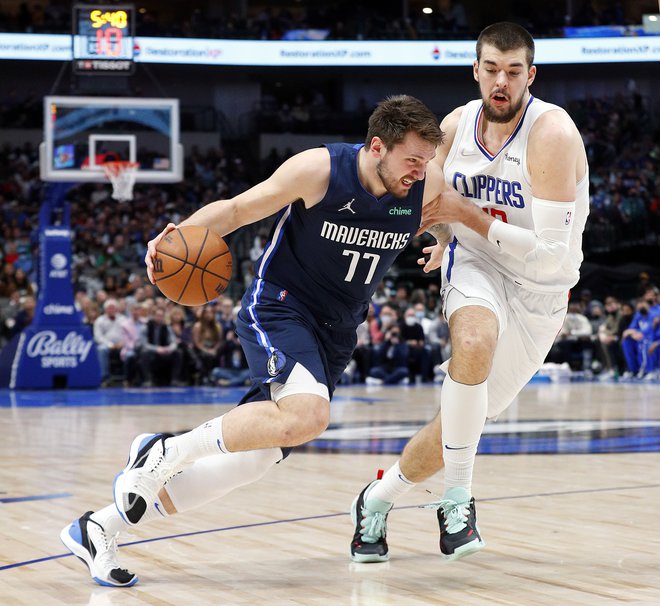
517	204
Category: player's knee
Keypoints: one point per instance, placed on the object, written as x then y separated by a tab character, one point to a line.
306	419
474	345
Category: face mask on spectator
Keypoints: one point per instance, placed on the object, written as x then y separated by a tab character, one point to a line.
386	320
411	320
419	315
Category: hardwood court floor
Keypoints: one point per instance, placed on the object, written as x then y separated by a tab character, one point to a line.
565	526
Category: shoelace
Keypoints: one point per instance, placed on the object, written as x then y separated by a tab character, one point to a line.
148	481
108	559
373	525
158	469
456	514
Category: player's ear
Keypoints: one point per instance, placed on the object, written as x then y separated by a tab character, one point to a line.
531	75
377	146
475	70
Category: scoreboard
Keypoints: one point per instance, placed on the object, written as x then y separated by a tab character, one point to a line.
103	38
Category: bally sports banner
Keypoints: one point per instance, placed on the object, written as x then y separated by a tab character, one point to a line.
57	349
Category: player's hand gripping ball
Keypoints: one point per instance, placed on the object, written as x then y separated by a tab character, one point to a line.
193	265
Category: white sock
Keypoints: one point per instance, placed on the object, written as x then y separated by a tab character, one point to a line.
213	477
110	520
200	442
392	485
463	410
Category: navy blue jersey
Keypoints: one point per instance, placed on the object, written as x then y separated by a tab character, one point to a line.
332	256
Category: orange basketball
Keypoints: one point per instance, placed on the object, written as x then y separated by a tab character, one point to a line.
193	265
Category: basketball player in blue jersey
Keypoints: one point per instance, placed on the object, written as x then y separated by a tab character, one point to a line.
517	205
344	214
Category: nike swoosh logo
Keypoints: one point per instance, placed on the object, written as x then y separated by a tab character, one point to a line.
158	509
499	244
459	448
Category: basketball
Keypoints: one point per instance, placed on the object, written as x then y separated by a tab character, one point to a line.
193	265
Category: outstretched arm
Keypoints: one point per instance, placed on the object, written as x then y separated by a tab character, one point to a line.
304	176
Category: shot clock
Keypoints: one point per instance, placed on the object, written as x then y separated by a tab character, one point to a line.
103	38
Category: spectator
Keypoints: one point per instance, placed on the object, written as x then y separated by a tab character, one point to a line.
158	350
573	343
387	318
24	316
232	370
7	282
609	347
129	353
109	336
21	283
412	334
190	367
636	341
226	317
207	337
390	360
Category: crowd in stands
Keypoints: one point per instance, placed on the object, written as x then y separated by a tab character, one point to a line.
621	138
338	19
145	340
612	339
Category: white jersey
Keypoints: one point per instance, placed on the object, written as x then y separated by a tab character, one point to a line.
500	184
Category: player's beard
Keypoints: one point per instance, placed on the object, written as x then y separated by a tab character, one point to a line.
493	115
392	185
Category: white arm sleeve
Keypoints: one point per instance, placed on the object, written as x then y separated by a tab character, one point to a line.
546	246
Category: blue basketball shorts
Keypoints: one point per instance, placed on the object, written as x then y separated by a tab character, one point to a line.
277	331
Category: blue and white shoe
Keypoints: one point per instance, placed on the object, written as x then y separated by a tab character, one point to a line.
88	541
137	486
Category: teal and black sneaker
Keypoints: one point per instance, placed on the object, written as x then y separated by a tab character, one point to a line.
369	516
457	516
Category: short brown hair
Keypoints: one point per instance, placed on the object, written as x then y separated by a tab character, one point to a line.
399	114
506	36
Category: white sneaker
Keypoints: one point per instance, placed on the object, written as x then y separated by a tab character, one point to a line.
88	541
148	469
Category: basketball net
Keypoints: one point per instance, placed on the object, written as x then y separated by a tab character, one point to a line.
122	175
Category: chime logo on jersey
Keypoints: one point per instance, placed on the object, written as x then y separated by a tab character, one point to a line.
282	295
490	189
569	216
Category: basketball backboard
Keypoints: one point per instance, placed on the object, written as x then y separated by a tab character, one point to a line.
81	133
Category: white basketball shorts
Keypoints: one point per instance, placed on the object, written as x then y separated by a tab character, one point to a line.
528	321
